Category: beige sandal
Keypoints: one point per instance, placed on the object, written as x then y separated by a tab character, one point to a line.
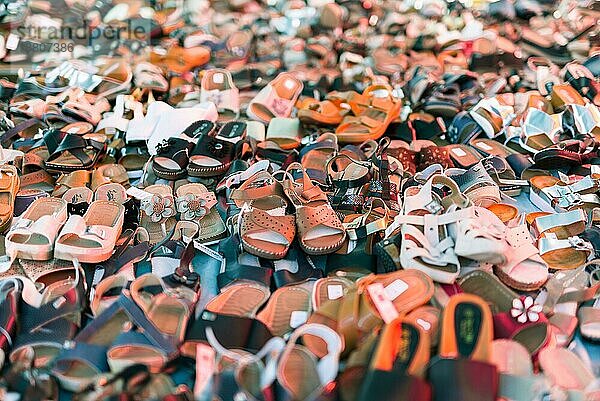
197	204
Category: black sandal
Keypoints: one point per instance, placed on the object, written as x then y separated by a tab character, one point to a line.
76	152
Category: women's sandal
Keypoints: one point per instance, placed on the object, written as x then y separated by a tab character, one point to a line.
196	203
34	234
158	211
372	117
9	186
319	229
91	238
276	99
212	155
465	346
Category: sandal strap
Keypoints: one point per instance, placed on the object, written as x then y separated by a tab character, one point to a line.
550	221
546	244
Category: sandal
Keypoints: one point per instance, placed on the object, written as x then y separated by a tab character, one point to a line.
319	229
218	87
370	122
195	203
77	153
212	155
34	234
276	99
158	212
91	238
9	186
550	194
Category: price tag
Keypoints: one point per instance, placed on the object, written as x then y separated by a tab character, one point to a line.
218	78
12	42
396	288
205	365
137	193
335	291
459	152
298	318
384	306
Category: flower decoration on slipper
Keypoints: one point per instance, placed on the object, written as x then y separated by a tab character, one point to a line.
195	206
525	310
158	207
280	106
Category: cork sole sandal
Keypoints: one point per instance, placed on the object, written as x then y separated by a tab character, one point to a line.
504	211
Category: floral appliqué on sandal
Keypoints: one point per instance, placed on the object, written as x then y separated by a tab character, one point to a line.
194	207
158	207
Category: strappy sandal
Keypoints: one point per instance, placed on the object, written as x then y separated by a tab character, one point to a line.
212	155
372	121
91	238
319	229
314	156
551	194
324	113
350	185
34	234
77	153
265	229
426	242
148	76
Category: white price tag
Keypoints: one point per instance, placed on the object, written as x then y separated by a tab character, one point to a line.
384	306
137	193
218	78
424	324
396	288
335	291
298	318
205	365
459	152
12	42
484	146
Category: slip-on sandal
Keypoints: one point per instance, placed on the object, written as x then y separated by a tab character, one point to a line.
319	229
287	308
77	153
567	371
465	348
301	375
372	121
212	155
196	203
91	238
551	194
538	131
276	99
398	364
285	132
242	299
34	234
324	113
559	243
157	212
217	86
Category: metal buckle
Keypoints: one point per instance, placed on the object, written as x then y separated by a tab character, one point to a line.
579	244
434	207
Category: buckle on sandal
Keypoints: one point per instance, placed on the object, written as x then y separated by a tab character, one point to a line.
434	207
579	244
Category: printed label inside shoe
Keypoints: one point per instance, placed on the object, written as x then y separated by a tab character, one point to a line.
12	42
396	288
483	145
290	84
335	291
298	318
424	324
218	78
459	152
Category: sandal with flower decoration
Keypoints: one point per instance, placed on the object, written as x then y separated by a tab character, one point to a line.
158	212
276	99
319	229
196	203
